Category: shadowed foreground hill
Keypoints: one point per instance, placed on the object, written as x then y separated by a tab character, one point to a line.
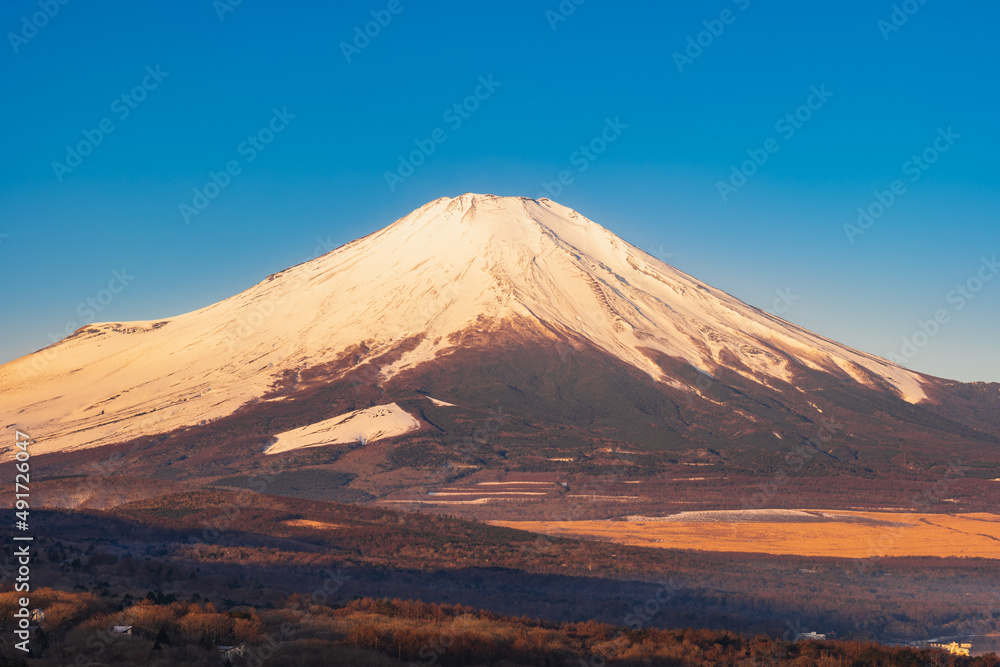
383	632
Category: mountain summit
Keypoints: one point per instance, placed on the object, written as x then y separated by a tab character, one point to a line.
483	264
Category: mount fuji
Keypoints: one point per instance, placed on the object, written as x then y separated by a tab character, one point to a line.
515	323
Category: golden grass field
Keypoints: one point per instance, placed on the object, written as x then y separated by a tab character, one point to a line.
836	533
308	523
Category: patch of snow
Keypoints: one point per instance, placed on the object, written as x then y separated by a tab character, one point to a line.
477	501
738	516
515	483
440	403
490	493
381	421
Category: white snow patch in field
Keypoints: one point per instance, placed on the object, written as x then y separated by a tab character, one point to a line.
490	493
381	421
736	516
517	483
440	403
477	501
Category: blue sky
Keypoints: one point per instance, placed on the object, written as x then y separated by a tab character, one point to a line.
199	77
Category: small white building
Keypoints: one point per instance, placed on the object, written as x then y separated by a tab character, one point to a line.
123	629
955	648
233	651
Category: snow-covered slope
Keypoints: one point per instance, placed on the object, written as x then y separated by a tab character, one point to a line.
364	426
474	261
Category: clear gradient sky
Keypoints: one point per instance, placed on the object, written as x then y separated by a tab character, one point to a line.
557	78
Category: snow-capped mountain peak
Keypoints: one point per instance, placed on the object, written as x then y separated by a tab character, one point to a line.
471	262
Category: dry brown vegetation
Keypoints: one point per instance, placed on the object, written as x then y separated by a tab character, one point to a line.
400	632
889	534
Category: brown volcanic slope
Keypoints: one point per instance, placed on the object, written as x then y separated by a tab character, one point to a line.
519	406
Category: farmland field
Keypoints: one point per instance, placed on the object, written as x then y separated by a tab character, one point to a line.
839	533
